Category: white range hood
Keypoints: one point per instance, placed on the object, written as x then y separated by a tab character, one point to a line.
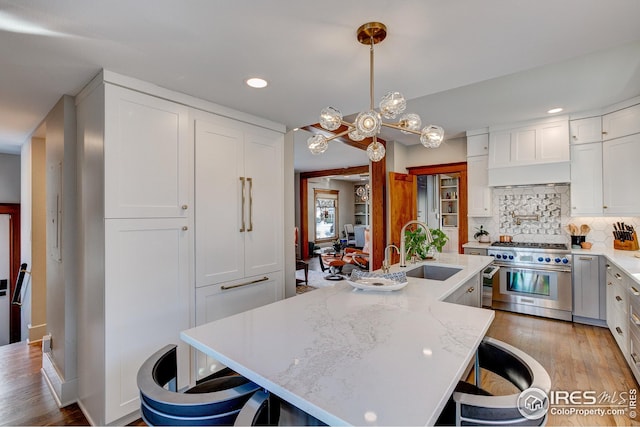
548	173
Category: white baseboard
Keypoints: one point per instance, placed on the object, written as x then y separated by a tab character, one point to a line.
64	392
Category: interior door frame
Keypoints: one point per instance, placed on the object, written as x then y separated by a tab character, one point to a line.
448	168
13	210
377	222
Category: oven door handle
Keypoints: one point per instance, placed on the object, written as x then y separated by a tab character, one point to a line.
537	268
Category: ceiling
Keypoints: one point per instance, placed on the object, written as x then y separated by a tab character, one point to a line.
462	64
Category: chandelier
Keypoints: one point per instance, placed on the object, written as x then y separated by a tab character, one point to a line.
368	123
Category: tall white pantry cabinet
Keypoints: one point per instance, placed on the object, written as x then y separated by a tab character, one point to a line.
138	236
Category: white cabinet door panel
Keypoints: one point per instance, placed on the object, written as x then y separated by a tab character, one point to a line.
523	146
621	175
478	190
586	286
552	143
587	130
263	166
219	164
586	179
621	123
500	149
148	156
146	302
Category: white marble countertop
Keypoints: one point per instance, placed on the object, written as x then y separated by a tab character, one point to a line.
355	357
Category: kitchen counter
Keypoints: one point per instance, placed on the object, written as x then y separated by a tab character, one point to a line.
355	357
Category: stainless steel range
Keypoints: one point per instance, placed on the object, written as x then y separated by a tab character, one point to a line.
534	278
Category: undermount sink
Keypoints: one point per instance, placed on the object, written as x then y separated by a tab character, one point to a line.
433	272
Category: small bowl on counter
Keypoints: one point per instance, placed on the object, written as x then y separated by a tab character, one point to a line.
586	245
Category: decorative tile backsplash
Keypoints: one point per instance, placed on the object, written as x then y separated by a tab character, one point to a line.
530	214
553	206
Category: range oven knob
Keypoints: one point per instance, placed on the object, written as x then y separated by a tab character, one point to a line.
547	259
493	255
504	256
557	260
510	256
565	261
499	256
540	259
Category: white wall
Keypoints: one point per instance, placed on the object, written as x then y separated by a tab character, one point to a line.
10	166
25	230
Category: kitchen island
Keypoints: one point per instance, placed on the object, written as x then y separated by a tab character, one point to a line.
351	357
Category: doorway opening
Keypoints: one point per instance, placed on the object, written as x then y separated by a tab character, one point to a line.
10	239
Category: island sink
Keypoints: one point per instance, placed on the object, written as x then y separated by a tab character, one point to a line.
433	272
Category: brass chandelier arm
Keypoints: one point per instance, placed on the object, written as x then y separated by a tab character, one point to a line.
399	127
338	135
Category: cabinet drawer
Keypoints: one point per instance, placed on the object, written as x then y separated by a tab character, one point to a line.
620	330
226	299
634	317
634	354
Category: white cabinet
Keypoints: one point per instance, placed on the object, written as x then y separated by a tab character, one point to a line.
621	176
617	307
621	123
148	156
546	142
586	179
221	300
478	190
135	242
588	295
469	293
146	300
239	200
478	145
584	131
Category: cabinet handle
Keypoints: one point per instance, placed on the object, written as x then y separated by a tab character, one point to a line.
242	230
608	266
634	357
185	207
585	258
605	133
225	287
250	181
605	207
610	284
474	253
618	298
635	319
185	228
634	291
471	289
618	330
618	276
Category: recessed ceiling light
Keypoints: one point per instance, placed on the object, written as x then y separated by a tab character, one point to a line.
554	110
256	82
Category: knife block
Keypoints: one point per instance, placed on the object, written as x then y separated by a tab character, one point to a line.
627	245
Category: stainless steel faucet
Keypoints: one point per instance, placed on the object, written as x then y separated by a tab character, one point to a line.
403	249
385	263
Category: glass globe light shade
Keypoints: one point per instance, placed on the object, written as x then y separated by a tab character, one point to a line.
410	121
375	151
368	123
330	118
367	187
317	144
365	198
355	136
432	136
392	104
360	191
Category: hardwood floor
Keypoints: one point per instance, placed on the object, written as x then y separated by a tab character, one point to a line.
578	357
25	396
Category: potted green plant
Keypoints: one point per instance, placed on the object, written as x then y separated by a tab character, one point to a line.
416	242
481	235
